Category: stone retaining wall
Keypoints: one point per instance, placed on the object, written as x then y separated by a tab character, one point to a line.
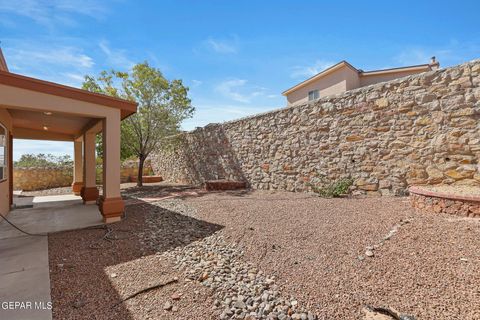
29	179
422	129
431	204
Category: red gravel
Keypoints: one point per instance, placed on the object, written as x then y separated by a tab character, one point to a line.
430	268
82	285
312	246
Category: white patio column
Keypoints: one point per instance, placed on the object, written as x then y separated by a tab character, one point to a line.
77	167
111	202
89	191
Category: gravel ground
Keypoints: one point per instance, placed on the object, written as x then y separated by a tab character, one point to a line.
90	275
312	256
158	189
316	248
48	192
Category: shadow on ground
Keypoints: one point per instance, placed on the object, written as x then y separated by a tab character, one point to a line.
175	191
81	262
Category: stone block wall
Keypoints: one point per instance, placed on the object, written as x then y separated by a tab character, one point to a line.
29	179
422	129
442	205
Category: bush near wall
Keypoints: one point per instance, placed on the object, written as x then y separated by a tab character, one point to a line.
421	129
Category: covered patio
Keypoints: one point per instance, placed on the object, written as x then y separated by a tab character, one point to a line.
41	110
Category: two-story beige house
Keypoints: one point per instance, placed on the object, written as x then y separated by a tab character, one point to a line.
343	76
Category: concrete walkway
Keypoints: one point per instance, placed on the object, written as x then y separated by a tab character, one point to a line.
24	269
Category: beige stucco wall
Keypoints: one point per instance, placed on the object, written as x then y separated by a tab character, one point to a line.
366	80
342	80
335	83
6	120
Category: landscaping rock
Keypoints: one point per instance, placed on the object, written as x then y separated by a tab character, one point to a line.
240	289
167	306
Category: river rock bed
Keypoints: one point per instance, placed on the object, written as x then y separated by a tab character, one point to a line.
241	290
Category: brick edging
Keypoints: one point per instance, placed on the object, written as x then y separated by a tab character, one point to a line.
428	193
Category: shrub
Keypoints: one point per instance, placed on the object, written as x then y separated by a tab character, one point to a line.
334	189
43	160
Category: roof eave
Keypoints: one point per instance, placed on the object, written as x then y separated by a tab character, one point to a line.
419	67
3	62
23	82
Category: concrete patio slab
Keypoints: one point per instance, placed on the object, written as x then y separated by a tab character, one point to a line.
25	278
24	268
53	200
58	214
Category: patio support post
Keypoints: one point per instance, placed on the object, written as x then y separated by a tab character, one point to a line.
89	191
77	167
111	203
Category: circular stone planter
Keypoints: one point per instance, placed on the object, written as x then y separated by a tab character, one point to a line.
439	201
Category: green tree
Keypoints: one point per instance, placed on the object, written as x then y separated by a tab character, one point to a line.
43	160
162	106
125	152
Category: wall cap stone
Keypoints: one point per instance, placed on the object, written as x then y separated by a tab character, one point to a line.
430	193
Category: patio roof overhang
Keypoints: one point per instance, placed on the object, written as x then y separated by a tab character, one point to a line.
41	110
49	111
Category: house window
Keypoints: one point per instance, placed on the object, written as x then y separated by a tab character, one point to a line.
313	95
3	153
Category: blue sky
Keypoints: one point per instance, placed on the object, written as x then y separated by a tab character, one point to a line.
236	56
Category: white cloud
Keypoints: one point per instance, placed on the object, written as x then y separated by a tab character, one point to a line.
56	55
52	12
239	90
223	46
309	71
231	89
116	57
75	77
416	56
57	63
92	8
196	83
451	53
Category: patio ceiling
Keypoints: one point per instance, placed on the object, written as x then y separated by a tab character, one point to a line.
36	109
61	125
